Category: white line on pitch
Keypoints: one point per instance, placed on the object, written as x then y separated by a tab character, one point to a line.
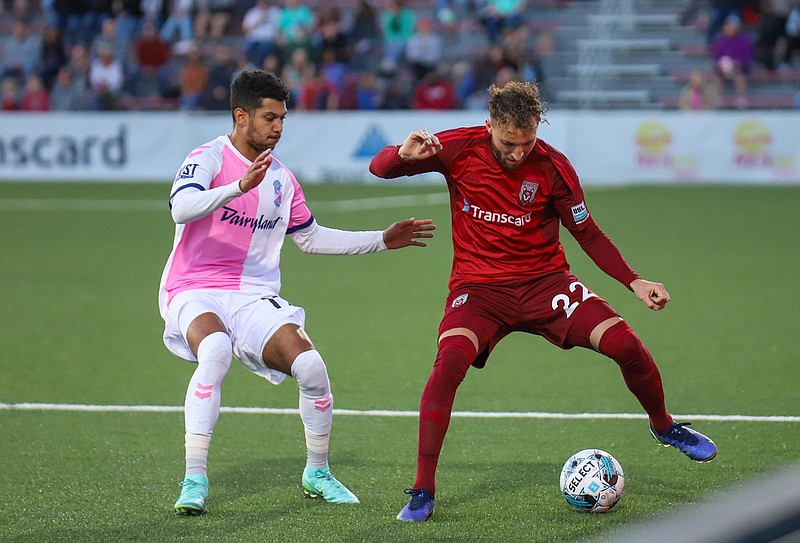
356	204
390	413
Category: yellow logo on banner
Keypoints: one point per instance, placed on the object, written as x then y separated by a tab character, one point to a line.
752	137
653	137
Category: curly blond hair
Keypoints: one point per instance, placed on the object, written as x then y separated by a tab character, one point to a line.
517	103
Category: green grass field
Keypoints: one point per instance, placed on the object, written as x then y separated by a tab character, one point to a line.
79	325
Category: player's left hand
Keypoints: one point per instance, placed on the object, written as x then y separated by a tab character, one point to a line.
654	295
404	233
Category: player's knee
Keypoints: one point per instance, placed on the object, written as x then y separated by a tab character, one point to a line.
216	349
311	374
457	347
455	355
622	344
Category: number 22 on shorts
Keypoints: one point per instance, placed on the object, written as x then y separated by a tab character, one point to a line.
565	301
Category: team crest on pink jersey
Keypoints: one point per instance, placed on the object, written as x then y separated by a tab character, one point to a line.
527	192
278	193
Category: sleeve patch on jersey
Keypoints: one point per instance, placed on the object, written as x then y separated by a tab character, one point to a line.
580	213
187	172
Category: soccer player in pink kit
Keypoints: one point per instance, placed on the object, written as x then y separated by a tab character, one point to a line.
509	191
233	204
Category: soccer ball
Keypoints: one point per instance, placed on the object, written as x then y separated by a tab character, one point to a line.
592	481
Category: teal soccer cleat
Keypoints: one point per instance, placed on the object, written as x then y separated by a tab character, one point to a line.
419	507
194	491
690	442
321	482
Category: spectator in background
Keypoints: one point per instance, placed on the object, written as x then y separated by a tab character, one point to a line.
80	63
398	24
68	94
732	52
179	24
317	93
718	12
151	51
217	96
295	26
53	55
333	70
212	18
193	80
487	66
22	51
792	33
110	37
151	54
106	78
368	93
330	35
70	14
96	12
260	28
272	64
424	49
364	36
435	91
35	97
9	94
153	11
294	72
128	16
524	59
499	15
699	94
771	31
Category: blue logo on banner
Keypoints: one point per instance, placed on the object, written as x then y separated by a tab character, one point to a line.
372	142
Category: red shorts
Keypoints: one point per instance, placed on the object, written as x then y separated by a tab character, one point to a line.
548	306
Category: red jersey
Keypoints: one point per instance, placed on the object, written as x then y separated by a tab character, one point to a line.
506	222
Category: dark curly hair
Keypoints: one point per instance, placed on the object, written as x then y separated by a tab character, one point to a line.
252	86
517	103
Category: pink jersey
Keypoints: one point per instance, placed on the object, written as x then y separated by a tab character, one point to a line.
238	246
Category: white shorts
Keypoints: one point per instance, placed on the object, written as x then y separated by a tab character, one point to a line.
250	320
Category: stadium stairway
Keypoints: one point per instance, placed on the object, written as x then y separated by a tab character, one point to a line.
606	60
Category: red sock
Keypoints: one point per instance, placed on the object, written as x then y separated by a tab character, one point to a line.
639	371
455	355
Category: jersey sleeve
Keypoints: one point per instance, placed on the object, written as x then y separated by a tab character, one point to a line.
300	216
191	197
569	201
387	164
197	171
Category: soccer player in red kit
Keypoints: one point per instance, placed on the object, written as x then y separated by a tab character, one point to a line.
509	191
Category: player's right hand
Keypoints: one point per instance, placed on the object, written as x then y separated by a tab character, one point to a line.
419	145
256	172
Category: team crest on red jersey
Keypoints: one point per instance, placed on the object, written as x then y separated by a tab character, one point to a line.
527	192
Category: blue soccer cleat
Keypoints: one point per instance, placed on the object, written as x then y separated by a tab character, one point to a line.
194	491
419	508
691	443
320	482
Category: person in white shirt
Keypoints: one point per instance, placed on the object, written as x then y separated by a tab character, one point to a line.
233	204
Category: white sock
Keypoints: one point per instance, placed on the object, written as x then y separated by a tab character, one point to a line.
316	405
203	398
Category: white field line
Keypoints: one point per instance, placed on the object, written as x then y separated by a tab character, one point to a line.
388	413
341	206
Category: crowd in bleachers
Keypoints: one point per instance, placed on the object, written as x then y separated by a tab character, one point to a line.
333	54
170	54
743	37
